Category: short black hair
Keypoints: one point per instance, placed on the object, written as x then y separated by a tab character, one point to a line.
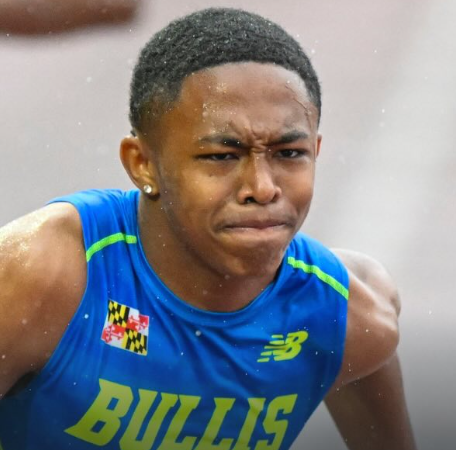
204	39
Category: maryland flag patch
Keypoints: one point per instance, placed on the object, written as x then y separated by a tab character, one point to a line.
126	328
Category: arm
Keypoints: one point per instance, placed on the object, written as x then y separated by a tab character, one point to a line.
367	402
45	16
371	413
42	279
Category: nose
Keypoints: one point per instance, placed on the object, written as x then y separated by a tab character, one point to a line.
258	183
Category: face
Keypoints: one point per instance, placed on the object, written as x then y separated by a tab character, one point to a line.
235	167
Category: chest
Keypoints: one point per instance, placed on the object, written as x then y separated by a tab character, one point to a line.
132	373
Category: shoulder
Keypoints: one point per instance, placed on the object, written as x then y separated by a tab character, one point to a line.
308	249
313	257
34	245
42	274
372	320
35	242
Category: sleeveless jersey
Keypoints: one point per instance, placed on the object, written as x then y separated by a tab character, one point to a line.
140	369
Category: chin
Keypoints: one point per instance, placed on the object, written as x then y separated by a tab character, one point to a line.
254	264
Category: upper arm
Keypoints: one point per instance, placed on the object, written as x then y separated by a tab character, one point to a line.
367	401
371	413
42	277
372	320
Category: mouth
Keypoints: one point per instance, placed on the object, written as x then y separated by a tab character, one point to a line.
253	225
257	231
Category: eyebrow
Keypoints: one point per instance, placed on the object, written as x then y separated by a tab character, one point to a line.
290	137
223	139
229	141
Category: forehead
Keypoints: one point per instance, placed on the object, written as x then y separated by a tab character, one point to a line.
249	96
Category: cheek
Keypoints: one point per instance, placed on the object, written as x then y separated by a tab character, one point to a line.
193	200
298	188
202	192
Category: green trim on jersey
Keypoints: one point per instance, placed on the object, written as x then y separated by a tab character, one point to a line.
328	279
109	240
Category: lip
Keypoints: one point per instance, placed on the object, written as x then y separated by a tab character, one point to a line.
252	236
257	232
258	228
255	225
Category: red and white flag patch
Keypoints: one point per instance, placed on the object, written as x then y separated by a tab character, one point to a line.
126	328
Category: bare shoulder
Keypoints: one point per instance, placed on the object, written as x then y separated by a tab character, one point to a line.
42	274
373	310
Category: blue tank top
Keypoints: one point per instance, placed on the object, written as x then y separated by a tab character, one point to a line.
140	369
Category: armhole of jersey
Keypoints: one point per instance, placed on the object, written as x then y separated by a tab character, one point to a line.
328	267
341	308
53	359
342	313
79	206
86	236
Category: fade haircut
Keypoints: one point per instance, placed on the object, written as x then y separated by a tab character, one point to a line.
205	39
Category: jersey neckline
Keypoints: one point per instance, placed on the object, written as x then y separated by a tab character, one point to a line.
154	284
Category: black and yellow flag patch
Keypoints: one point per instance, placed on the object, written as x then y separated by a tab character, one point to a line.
126	328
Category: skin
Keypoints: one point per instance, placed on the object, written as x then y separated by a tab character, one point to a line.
49	16
224	185
231	166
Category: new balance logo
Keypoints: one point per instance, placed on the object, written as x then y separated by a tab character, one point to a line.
284	349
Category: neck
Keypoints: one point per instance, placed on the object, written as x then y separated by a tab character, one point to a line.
194	282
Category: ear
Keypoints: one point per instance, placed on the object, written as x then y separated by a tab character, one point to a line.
136	159
318	146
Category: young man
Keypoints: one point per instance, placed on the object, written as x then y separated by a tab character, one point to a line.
191	313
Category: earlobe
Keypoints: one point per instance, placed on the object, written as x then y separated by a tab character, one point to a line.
136	160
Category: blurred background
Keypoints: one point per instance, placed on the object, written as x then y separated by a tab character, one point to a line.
386	177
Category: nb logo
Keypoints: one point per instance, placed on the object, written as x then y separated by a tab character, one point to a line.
283	349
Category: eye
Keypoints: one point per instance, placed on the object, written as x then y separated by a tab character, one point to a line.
291	153
218	157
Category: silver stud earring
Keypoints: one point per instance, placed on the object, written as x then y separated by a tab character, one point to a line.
147	189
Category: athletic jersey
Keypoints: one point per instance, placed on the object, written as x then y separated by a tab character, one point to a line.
140	369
